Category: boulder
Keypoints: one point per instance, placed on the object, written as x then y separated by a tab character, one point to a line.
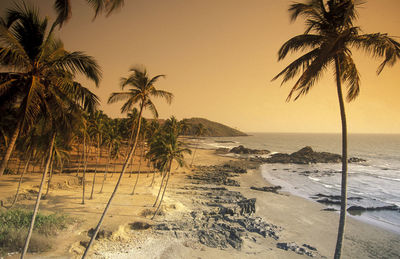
307	155
273	189
242	150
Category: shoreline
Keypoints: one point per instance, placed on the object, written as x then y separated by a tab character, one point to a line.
188	206
302	222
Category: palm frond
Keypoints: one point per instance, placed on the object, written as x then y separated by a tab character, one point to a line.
150	105
63	9
163	94
297	66
378	45
350	76
79	62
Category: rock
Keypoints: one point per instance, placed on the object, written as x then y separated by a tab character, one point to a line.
304	250
273	189
329	201
360	208
307	155
356	160
330	209
247	206
242	150
101	234
139	225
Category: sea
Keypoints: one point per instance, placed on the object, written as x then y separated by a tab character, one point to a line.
374	183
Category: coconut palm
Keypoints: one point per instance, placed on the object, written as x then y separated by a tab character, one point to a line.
166	149
141	91
113	139
97	124
34	60
141	155
63	8
329	39
198	131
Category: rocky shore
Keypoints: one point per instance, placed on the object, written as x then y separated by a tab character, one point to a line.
305	155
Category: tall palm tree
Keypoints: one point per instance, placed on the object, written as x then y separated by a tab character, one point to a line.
329	38
63	8
141	91
199	131
166	149
37	64
113	139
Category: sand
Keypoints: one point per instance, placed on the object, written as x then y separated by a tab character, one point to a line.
303	221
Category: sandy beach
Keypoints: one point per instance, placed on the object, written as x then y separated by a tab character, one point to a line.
129	232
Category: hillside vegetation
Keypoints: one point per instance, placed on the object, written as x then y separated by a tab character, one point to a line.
213	129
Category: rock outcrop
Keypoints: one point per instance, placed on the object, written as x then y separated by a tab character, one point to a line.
248	151
306	155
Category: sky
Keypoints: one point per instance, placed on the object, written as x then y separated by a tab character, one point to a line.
219	57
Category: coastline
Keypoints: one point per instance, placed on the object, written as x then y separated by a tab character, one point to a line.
297	219
302	222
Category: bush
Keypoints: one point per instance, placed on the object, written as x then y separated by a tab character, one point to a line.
14	228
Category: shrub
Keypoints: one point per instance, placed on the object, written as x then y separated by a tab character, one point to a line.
14	228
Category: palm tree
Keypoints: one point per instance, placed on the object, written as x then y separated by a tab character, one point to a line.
164	151
63	8
144	130
329	38
35	60
113	139
96	128
199	131
141	91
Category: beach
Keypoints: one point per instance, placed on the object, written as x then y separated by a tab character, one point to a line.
129	232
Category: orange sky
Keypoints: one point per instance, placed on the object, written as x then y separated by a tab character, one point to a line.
220	56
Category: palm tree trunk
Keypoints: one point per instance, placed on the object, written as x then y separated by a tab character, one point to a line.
80	159
159	191
343	203
20	180
132	151
10	148
154	174
97	164
194	153
106	171
165	188
138	174
62	166
131	166
39	196
85	158
50	176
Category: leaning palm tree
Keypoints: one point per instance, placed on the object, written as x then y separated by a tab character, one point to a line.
141	91
164	150
33	59
199	131
329	39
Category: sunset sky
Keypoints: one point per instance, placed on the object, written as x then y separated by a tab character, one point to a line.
220	56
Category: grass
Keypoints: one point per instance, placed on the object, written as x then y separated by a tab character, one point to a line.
14	226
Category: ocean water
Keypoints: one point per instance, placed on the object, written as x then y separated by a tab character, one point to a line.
375	183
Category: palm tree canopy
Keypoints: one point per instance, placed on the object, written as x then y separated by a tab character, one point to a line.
40	73
63	8
141	90
166	148
330	34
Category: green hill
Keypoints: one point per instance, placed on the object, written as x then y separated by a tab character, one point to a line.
214	129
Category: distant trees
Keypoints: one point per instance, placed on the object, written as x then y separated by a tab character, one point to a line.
329	39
